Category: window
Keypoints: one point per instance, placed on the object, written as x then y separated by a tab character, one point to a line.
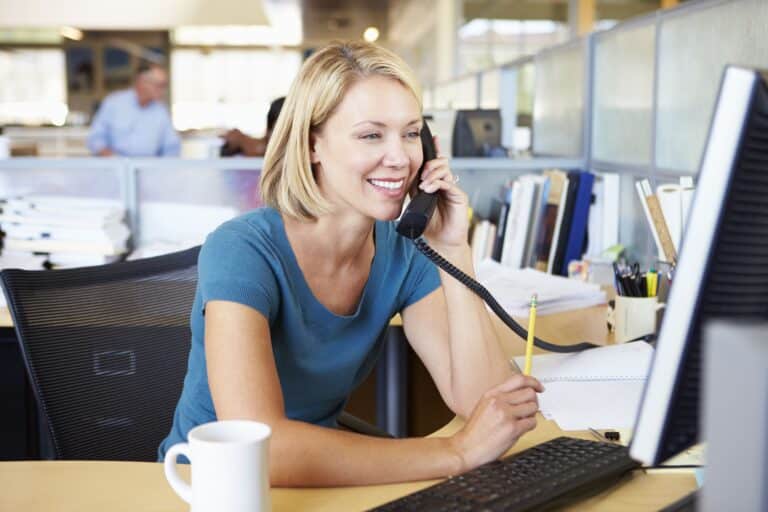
229	88
33	89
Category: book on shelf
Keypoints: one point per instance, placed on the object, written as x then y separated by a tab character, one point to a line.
558	181
603	226
499	210
482	240
535	230
563	228
577	233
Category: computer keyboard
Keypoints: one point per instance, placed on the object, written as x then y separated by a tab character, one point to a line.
545	475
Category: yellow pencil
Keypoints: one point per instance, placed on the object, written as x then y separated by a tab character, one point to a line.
531	328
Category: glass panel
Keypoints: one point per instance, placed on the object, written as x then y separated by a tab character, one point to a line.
210	197
227	88
32	87
623	95
558	102
465	92
71	181
694	48
489	89
526	78
444	94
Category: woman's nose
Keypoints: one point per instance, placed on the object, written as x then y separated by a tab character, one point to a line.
396	154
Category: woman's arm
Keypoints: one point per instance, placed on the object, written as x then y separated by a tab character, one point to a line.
244	384
452	331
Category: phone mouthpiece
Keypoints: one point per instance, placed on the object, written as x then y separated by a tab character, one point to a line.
414	220
412	224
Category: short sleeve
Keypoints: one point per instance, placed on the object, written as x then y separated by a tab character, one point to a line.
231	267
421	280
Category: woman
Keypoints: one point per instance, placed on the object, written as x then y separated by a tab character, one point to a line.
292	298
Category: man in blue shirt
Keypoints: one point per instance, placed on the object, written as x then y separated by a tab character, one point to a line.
134	122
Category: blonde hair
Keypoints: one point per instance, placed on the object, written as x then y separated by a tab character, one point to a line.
287	181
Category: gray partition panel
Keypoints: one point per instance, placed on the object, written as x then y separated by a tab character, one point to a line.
695	44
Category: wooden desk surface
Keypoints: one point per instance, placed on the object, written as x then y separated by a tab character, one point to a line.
5	317
130	486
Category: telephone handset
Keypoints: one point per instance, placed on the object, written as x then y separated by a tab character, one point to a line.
414	221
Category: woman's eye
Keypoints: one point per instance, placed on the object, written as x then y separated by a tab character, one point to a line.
371	136
414	135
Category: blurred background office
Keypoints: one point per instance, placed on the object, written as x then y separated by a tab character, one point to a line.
227	61
622	89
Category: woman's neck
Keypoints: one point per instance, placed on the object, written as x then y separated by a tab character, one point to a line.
332	241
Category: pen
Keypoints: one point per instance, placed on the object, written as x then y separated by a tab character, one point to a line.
531	327
596	434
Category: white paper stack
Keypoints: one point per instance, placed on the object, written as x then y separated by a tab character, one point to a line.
512	288
69	231
599	388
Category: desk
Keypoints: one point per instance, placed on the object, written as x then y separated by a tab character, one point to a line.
130	486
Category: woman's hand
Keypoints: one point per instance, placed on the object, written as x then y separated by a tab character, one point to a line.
501	417
450	223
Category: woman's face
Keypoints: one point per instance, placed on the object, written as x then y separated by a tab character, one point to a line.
368	151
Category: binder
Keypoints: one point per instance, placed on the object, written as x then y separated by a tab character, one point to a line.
578	229
565	224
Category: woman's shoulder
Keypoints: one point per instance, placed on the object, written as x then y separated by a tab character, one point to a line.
256	229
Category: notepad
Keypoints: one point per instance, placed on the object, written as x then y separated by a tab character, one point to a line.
598	388
627	361
512	288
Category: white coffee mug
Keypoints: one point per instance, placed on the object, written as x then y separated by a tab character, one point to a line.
230	467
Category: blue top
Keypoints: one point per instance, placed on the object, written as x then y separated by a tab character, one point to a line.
320	356
129	129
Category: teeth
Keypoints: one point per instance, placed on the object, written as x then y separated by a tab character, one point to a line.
392	185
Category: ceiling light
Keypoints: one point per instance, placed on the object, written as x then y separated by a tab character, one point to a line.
71	33
371	34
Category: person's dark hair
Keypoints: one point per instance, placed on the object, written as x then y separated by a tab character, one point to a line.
274	112
145	66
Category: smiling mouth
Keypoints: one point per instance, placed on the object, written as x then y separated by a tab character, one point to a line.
388	185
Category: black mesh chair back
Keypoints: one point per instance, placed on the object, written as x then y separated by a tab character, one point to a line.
106	351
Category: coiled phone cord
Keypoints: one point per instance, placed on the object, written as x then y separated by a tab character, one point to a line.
484	294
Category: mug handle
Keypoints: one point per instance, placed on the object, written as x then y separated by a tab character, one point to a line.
181	487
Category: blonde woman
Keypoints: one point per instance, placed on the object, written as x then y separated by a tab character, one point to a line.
292	297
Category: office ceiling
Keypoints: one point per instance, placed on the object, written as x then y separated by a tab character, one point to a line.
324	20
133	15
556	10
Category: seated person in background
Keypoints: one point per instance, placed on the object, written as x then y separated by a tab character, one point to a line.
292	297
236	142
134	122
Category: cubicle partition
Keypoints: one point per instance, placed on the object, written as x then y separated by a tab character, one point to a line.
172	202
635	100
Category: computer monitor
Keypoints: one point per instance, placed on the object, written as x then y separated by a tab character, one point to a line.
477	133
722	271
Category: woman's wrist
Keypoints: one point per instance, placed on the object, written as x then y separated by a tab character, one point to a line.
455	450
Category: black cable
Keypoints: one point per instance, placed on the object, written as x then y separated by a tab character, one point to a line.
484	294
670	466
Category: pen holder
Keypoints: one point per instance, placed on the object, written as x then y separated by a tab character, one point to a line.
633	317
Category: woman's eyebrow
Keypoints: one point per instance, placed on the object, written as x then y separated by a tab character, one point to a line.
380	123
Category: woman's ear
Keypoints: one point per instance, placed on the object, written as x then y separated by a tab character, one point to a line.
313	156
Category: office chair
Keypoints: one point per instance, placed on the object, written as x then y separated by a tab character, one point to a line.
106	352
